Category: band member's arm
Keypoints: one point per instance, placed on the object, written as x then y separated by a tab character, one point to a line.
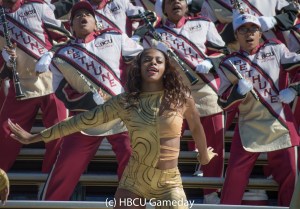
132	10
72	99
206	11
229	96
293	42
214	42
290	61
286	17
130	48
133	13
216	46
195	7
54	27
62	8
226	32
225	29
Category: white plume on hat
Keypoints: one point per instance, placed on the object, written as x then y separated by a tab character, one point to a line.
159	4
241	19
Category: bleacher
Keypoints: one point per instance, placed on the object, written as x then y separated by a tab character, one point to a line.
99	182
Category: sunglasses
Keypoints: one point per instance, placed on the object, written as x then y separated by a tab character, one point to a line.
244	30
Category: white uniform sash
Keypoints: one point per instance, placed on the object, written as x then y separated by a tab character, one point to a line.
104	21
94	68
25	39
262	84
189	53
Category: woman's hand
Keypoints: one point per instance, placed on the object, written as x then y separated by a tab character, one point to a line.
19	134
204	158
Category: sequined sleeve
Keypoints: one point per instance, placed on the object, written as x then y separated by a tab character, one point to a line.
109	111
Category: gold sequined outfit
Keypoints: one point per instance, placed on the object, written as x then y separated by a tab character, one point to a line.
146	128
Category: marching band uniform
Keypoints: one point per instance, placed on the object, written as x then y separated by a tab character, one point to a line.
32	27
266	125
109	14
100	58
115	14
277	16
294	39
185	42
294	46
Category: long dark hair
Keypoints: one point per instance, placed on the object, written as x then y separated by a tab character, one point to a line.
175	91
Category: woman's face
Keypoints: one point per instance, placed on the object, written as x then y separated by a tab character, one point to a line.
175	9
83	23
152	66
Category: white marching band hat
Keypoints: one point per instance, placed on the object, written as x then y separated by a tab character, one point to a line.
241	19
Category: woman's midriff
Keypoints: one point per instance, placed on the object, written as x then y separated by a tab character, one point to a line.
169	153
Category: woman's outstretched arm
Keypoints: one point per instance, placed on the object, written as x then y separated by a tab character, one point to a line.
104	113
192	116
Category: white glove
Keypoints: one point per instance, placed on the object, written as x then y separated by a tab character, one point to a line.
244	86
98	99
267	23
204	67
162	47
43	64
6	57
287	95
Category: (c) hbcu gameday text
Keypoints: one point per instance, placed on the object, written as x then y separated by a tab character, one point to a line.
127	202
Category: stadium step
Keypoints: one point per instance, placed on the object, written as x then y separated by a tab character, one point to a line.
185	157
34	178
